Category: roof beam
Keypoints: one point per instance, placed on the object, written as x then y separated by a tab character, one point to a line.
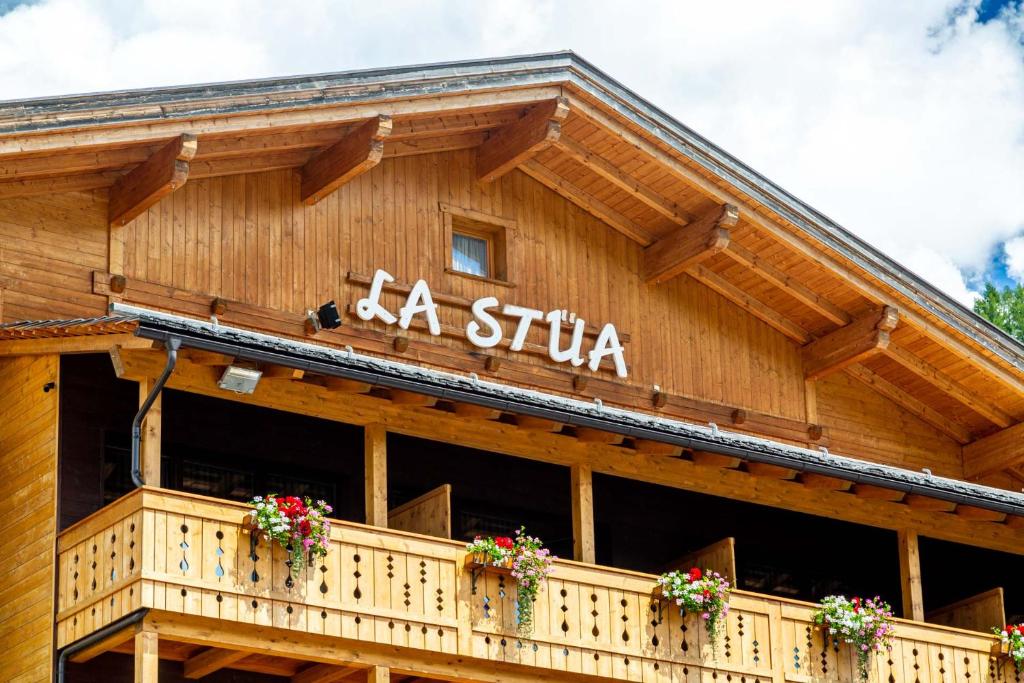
750	304
950	386
211	660
1000	451
861	339
950	428
686	247
324	673
587	202
610	172
516	143
142	187
356	153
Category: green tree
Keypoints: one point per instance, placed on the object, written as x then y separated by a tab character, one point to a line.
1004	308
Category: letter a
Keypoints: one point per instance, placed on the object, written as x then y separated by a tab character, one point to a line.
420	301
607	344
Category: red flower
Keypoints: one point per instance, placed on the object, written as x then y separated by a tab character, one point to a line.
504	542
305	527
695	574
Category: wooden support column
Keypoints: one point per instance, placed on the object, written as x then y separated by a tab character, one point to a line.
376	463
863	338
583	514
378	674
149	450
353	155
688	246
910	575
152	180
147	657
520	140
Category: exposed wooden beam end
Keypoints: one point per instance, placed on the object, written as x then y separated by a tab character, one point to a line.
324	673
538	424
211	660
588	435
649	447
824	482
357	152
348	386
762	469
477	412
520	140
977	514
149	182
411	398
690	245
707	459
861	339
878	493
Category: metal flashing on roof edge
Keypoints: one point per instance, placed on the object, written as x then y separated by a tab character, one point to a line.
394	375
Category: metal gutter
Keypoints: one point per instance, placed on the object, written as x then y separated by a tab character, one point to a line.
171	344
381	84
321	360
110	629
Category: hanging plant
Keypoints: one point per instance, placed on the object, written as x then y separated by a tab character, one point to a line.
298	525
866	624
1012	639
699	592
529	563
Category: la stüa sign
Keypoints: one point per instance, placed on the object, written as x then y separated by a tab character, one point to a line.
485	332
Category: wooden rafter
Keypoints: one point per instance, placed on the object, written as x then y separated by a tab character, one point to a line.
142	187
210	660
752	305
950	386
519	141
610	172
688	246
324	673
587	202
861	339
356	153
1000	451
911	404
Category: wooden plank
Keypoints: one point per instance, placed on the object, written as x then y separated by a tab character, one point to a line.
211	660
429	514
107	644
720	556
150	181
147	657
684	248
376	464
324	673
982	612
545	176
583	514
378	674
67	345
911	404
750	304
353	155
910	575
947	384
1000	451
511	146
861	339
610	172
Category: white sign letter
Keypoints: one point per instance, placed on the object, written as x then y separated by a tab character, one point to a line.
480	307
420	301
369	308
571	354
526	316
607	344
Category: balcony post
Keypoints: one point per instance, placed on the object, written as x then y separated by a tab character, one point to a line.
376	474
378	674
583	514
149	446
147	656
910	575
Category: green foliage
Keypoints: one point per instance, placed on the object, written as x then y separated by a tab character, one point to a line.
1003	308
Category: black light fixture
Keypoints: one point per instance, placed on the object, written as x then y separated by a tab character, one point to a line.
324	318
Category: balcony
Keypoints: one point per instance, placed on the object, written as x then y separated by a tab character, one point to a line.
190	560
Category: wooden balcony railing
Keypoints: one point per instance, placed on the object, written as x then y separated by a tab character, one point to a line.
191	555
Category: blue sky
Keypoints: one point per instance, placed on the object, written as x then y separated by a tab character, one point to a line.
903	121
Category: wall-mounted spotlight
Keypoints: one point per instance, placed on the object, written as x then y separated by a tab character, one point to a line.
324	318
240	380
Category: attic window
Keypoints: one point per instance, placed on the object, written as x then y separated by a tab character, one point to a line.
477	244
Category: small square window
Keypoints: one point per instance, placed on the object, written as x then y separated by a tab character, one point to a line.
471	254
477	244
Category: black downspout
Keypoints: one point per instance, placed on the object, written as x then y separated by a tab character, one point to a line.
95	637
172	345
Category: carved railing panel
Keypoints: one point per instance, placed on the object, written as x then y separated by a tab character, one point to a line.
194	555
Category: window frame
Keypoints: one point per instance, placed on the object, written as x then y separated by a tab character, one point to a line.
499	234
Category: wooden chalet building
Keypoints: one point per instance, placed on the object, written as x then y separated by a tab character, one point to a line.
555	306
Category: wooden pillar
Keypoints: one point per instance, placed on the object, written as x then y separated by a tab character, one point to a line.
583	514
151	431
376	463
147	658
910	575
378	674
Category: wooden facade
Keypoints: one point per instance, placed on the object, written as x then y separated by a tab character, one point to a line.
254	204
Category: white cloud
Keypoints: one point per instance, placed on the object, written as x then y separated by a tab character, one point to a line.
903	121
1014	253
